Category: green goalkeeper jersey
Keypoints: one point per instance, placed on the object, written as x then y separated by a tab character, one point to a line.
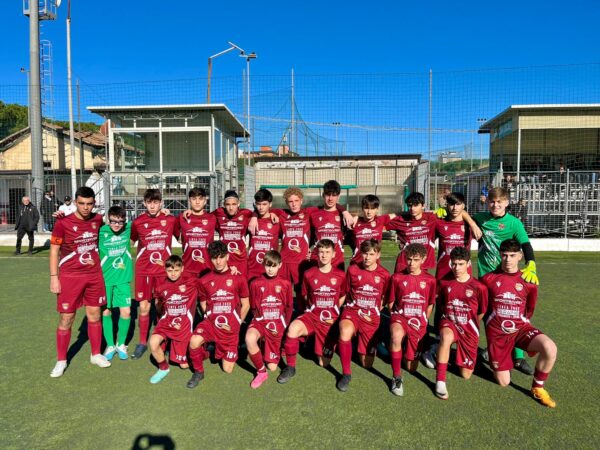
115	255
495	230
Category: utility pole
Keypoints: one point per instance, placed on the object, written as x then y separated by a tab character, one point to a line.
70	96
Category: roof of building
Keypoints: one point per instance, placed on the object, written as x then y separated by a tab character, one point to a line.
220	110
93	139
541	108
338	158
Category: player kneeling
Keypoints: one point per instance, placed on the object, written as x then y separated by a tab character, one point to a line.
271	300
367	285
176	304
464	301
411	299
512	302
224	302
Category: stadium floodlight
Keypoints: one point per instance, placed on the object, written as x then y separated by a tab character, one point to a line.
231	47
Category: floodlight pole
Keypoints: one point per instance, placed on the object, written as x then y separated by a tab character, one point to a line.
26	72
232	46
248	57
70	96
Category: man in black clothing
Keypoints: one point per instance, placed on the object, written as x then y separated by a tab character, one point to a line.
27	221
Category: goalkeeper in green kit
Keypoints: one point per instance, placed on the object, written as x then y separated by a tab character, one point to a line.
117	268
497	226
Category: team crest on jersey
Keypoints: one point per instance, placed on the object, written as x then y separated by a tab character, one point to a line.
422	284
337	218
469	293
377	279
163	223
269	226
462	228
145	225
404	283
229	283
93	225
301	216
359	277
449	289
262	289
519	287
182	288
204	222
65	306
498	283
333	281
165	293
501	226
445	228
316	281
278	289
241	218
423	222
373	224
212	284
140	294
75	228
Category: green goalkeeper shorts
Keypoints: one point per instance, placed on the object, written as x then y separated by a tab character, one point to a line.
118	296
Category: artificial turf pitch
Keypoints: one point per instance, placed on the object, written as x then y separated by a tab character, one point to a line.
118	408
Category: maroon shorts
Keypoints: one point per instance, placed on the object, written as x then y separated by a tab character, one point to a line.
413	337
272	334
178	339
366	327
226	342
145	285
76	292
467	342
501	345
326	335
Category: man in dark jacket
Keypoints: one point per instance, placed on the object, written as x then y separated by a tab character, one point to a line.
27	221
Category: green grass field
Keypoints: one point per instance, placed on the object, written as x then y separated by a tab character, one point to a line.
116	407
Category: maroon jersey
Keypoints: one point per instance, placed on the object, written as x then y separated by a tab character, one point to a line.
511	301
323	291
154	236
295	234
78	240
411	295
451	235
413	231
232	231
462	302
222	293
265	239
271	300
196	232
328	225
366	289
178	303
364	230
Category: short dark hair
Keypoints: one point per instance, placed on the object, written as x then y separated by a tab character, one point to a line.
460	253
369	201
117	211
370	244
263	195
412	250
229	194
455	198
272	258
510	245
84	192
415	198
332	187
325	243
152	195
173	261
217	249
197	192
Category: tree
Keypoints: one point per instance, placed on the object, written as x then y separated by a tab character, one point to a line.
13	117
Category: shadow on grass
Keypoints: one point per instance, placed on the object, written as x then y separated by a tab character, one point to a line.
82	338
157	442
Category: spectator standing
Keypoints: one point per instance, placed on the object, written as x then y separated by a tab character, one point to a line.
479	204
68	207
27	221
49	207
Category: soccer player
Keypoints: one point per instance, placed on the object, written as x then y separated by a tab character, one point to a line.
410	301
366	290
176	303
464	300
224	300
497	226
326	223
418	227
196	231
153	231
369	226
232	225
511	305
117	268
323	293
266	236
76	277
271	300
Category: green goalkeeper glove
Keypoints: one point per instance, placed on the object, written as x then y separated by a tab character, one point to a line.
441	212
529	273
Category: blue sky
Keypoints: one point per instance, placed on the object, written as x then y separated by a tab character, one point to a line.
133	41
